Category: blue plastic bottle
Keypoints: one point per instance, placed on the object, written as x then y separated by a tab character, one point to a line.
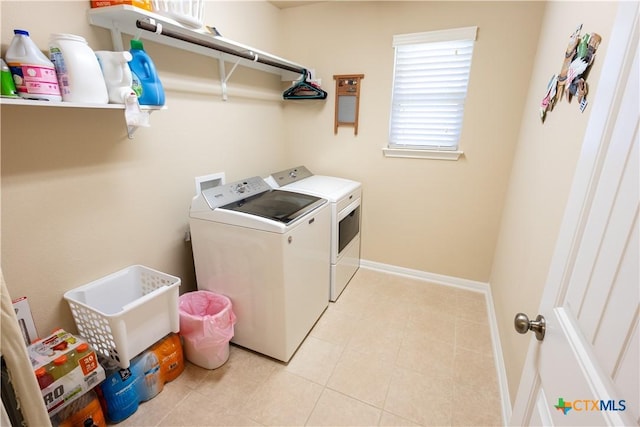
146	367
119	391
146	83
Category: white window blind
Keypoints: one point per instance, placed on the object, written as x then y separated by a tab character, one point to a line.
431	74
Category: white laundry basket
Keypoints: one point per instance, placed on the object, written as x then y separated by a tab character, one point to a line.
186	12
125	312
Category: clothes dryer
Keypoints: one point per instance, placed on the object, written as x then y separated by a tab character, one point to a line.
345	199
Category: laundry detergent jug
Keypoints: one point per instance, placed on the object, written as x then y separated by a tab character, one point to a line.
78	70
146	83
117	74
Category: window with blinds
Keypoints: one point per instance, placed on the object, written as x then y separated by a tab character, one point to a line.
430	79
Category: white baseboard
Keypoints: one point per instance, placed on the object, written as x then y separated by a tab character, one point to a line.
505	403
470	285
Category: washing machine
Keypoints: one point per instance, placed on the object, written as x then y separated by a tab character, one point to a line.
267	250
344	196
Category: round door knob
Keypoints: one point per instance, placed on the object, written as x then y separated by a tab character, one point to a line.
524	325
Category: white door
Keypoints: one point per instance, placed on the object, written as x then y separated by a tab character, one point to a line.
586	369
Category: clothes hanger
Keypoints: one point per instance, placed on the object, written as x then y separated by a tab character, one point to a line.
303	89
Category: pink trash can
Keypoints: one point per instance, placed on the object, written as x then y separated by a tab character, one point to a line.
206	325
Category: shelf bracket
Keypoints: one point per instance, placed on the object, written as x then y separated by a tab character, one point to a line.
116	37
134	116
131	129
224	77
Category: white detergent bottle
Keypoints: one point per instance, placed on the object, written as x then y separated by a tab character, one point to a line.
78	70
117	74
33	74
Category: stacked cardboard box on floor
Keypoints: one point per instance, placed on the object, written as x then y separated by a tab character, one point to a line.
81	372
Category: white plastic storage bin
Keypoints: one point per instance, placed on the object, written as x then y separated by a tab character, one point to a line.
187	12
124	313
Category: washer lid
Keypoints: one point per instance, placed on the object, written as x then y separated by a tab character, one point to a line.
277	205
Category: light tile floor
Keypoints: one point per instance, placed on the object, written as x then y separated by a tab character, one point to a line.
392	351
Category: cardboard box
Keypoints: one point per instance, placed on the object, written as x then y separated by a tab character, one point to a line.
25	320
82	375
142	4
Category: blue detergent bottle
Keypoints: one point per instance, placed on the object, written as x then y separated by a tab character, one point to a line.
146	83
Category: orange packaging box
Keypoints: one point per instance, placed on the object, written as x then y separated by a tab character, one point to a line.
80	373
142	4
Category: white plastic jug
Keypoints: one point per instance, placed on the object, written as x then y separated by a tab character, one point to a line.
33	74
78	70
117	74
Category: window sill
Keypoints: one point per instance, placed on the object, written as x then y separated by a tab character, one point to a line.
422	154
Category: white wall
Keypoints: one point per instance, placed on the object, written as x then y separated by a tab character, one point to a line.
80	200
430	215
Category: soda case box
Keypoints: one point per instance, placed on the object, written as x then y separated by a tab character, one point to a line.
142	4
66	367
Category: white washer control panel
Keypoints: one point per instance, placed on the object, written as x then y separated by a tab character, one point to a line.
234	191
